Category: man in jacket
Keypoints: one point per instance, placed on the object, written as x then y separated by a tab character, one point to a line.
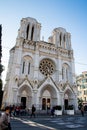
5	120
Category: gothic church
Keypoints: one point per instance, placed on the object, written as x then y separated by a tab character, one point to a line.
39	72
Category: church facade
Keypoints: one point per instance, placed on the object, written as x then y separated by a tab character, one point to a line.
41	73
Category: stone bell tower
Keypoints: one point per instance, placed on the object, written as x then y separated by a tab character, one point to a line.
61	38
29	29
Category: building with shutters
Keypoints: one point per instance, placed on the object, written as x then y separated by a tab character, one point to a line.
82	87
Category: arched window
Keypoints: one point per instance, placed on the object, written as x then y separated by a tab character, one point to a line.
27	32
32	33
65	72
23	67
62	73
28	67
60	39
64	39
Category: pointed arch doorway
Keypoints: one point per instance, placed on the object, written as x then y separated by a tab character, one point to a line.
47	97
25	96
68	98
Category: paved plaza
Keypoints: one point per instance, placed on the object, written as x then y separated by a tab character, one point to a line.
64	122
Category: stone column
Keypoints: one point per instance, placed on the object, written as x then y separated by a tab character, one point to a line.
76	102
60	99
36	63
60	69
35	97
14	95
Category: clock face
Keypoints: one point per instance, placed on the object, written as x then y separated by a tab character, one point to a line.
46	67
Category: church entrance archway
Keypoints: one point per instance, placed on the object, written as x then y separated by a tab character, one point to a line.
25	96
68	98
48	97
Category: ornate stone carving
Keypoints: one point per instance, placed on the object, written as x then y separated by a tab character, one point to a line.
47	67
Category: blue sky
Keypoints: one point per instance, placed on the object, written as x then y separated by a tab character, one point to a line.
69	14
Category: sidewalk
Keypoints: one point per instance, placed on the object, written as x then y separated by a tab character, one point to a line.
46	122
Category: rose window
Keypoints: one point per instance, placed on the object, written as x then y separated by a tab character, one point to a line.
46	67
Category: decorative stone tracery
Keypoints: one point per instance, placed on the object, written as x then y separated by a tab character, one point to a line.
47	67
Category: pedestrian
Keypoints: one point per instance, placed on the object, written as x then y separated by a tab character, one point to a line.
33	111
5	120
82	110
52	111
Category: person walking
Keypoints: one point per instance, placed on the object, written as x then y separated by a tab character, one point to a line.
52	111
33	111
82	110
5	120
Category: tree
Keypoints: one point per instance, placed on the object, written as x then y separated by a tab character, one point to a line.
80	102
1	92
1	68
0	43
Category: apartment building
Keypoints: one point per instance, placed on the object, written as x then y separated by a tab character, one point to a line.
82	86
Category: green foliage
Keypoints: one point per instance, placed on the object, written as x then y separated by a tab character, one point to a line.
58	107
70	107
0	84
0	43
1	68
80	103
